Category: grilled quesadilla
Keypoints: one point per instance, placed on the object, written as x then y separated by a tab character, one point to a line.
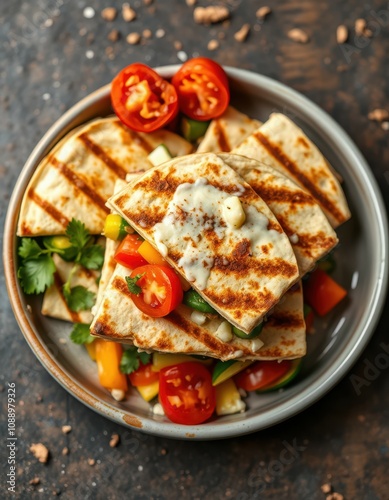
117	318
282	145
227	131
211	226
308	229
77	177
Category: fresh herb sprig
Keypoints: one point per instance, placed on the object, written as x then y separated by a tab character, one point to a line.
36	272
131	360
81	334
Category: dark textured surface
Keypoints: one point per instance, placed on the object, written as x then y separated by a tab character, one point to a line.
344	438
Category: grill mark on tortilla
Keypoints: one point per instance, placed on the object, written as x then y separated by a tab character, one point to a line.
134	137
221	137
229	299
273	267
103	156
48	208
278	195
293	169
78	183
59	284
285	320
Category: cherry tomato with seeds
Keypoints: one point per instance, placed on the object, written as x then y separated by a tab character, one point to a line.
186	393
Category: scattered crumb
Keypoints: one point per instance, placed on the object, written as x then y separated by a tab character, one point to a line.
113	36
56	492
213	45
341	34
40	452
210	15
342	67
221	35
89	12
361	418
109	13
242	34
39	398
89	54
66	429
182	56
63	341
91	461
298	35
65	451
163	451
385	125
360	26
128	13
263	12
378	115
191	3
147	34
335	496
326	488
133	38
178	45
158	410
34	481
114	440
160	33
147	2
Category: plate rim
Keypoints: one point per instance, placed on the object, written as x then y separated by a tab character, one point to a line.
288	408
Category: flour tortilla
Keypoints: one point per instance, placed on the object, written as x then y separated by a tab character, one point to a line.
117	319
76	178
228	131
249	269
282	145
299	215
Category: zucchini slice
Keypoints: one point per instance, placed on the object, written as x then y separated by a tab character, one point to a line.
226	369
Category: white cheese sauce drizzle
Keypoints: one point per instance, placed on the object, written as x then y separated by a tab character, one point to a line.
196	208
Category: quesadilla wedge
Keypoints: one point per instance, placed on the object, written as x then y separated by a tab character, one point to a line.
77	177
227	131
118	319
282	145
302	219
184	209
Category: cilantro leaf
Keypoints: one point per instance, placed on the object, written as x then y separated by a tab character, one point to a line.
144	357
132	284
131	360
78	298
37	274
81	334
92	257
29	249
77	233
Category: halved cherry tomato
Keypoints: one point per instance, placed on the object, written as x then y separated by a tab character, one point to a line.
261	374
127	253
144	375
322	293
160	290
142	99
186	393
202	88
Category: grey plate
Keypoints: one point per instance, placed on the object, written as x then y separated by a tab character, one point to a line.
339	338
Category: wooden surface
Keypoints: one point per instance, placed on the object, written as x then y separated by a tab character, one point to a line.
51	56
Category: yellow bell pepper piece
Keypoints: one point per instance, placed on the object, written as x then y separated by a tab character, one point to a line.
228	400
149	253
161	360
148	392
91	348
108	356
